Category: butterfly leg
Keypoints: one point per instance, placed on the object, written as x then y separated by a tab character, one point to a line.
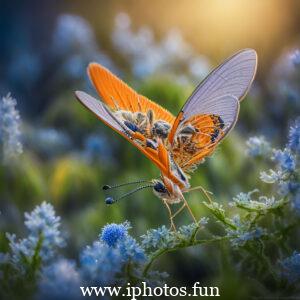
172	226
179	210
189	209
203	190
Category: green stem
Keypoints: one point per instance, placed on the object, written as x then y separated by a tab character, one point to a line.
184	244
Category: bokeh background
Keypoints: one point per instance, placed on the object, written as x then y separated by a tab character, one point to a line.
162	49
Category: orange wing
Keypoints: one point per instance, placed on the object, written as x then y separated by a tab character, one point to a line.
159	156
119	96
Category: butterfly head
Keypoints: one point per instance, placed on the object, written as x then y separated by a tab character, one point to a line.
160	189
167	190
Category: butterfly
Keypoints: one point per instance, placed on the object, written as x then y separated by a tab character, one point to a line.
176	145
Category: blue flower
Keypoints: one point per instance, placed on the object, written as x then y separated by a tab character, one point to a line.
97	147
244	236
75	44
49	141
100	263
43	225
104	260
112	233
295	57
161	237
294	137
59	280
288	187
42	220
257	146
10	128
4	258
72	34
285	159
271	176
291	268
187	231
296	202
130	250
148	57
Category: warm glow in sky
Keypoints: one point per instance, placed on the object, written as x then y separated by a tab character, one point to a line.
215	27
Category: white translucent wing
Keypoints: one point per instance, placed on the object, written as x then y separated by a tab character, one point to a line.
101	111
222	88
233	77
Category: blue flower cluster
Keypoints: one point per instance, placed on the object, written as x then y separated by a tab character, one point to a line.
97	147
59	280
257	146
164	238
291	267
295	56
107	261
284	87
294	137
147	57
285	159
114	258
74	42
104	260
10	135
112	233
285	174
44	236
244	233
48	142
158	238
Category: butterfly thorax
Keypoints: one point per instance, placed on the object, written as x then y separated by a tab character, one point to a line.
144	123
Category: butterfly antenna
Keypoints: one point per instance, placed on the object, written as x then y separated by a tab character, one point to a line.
111	200
108	187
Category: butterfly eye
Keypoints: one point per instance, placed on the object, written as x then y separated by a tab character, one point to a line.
160	188
161	129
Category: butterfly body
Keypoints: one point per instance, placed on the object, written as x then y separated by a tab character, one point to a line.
152	136
176	145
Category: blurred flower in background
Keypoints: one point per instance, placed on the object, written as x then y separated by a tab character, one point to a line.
284	86
44	235
257	146
291	267
10	134
97	147
172	55
47	142
74	46
59	280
